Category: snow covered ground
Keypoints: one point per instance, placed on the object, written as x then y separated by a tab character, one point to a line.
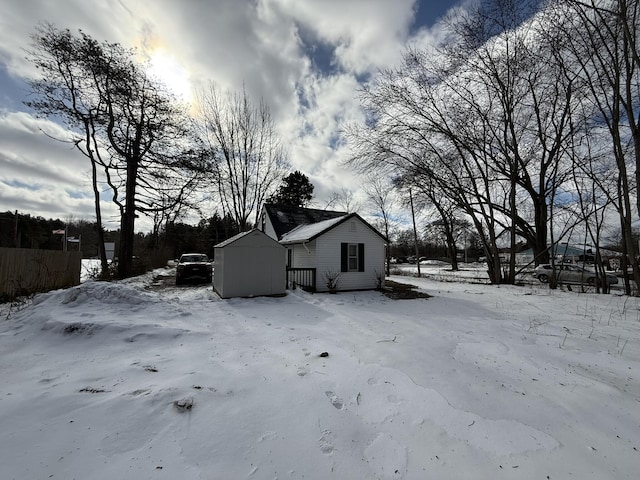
128	381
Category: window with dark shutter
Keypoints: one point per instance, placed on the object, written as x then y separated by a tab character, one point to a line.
352	257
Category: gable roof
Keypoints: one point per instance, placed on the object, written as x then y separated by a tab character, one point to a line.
285	218
255	232
306	233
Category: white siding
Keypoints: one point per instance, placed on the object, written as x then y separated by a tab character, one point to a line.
328	256
304	255
249	266
268	226
218	271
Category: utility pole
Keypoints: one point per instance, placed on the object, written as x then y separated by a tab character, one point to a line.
415	232
15	232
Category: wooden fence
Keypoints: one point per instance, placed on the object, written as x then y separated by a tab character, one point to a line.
25	271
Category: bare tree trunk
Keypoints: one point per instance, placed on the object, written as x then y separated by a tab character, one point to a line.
102	251
127	222
415	232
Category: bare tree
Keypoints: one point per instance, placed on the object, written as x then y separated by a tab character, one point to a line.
417	131
594	204
612	29
66	90
448	221
602	39
380	196
246	158
128	125
532	93
486	120
345	200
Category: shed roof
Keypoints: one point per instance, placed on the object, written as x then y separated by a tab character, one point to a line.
239	237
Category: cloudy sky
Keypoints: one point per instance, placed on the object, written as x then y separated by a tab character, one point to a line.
306	58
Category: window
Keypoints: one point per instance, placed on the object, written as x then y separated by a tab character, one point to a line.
352	257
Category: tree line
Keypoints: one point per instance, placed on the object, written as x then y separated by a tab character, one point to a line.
22	230
525	125
169	240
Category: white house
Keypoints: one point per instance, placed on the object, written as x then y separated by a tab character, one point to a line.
249	264
327	250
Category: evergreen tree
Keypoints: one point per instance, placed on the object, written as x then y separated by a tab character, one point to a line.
296	189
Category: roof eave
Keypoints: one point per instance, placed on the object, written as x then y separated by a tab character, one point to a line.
330	227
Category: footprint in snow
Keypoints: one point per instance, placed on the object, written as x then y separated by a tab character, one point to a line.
326	442
335	400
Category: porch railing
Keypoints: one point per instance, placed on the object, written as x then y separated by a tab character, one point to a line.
304	278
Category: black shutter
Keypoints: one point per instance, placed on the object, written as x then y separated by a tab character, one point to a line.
361	257
344	257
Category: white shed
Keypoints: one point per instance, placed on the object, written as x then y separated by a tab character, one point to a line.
249	264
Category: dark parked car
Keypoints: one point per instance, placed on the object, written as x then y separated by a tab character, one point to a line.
193	267
569	273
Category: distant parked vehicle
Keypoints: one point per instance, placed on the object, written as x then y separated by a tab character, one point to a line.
437	263
569	273
192	267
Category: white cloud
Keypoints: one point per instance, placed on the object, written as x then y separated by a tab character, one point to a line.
257	44
40	175
366	34
30	154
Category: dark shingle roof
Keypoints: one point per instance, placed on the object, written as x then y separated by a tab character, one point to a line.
285	218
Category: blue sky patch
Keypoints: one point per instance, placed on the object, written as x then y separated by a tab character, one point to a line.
320	53
18	184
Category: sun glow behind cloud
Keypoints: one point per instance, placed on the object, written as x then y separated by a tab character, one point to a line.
171	73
